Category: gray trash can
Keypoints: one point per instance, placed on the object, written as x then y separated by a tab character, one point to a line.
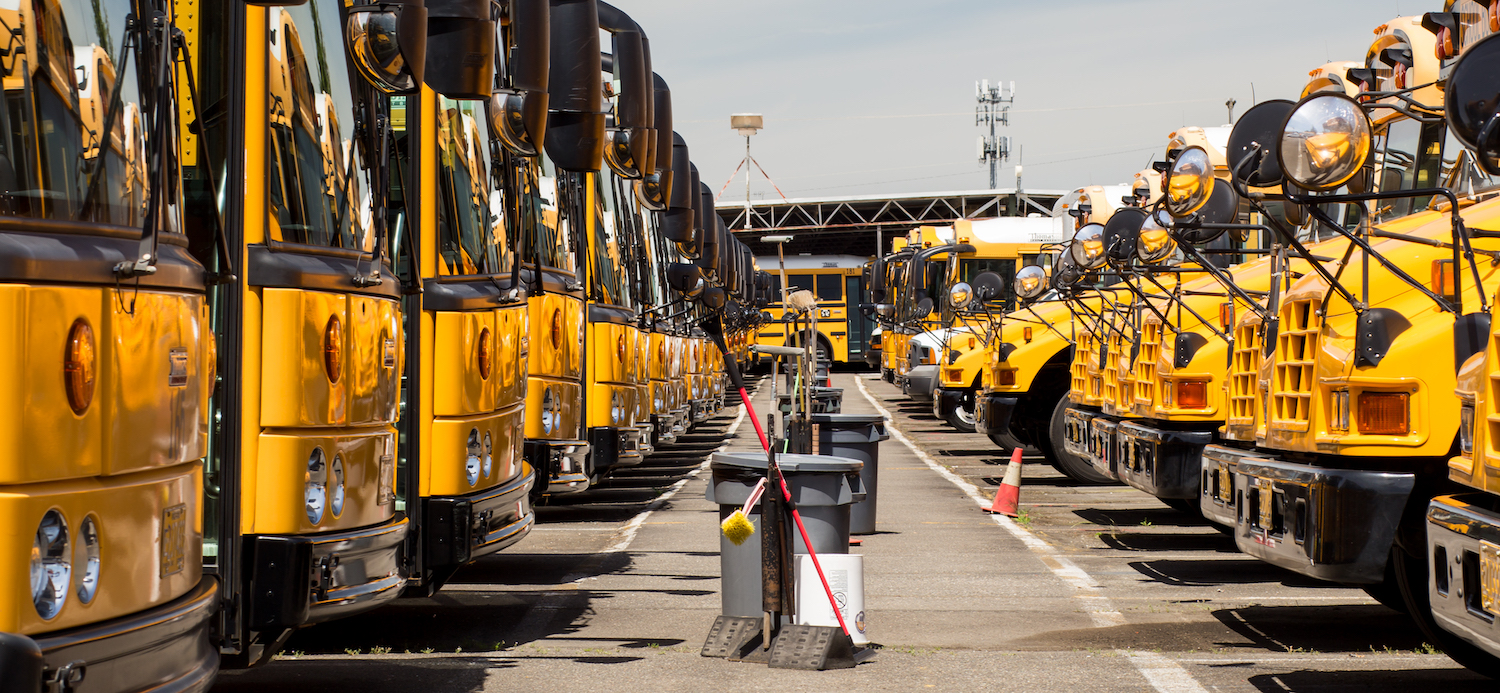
824	488
827	400
857	437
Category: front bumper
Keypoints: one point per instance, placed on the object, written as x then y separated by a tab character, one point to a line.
643	435
921	381
992	416
1463	541
563	463
700	410
872	358
663	430
945	402
1332	524
305	579
460	529
1091	435
611	447
1219	493
167	649
1160	462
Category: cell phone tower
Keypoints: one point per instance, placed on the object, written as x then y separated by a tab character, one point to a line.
993	110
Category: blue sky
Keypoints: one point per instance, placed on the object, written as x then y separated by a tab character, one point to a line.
877	96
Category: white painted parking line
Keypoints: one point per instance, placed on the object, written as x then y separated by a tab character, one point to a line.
1161	672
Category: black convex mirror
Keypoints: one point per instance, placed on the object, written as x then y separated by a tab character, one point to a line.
1472	102
988	286
1252	144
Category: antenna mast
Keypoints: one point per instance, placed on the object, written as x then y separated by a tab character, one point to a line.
993	110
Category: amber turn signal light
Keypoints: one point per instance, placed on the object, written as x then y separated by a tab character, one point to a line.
1384	413
482	355
1007	377
79	366
333	349
1192	394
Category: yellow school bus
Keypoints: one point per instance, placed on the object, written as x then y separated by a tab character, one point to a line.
301	521
1023	400
1001	246
837	281
108	361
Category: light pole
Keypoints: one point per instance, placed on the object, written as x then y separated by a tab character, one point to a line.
747	124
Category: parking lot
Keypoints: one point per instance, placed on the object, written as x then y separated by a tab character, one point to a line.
1094	588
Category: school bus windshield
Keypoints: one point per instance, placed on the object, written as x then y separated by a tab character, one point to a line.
54	163
472	234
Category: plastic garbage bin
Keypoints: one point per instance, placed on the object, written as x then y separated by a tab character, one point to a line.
824	488
827	400
856	437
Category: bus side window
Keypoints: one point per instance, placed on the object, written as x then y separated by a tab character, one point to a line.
830	287
800	281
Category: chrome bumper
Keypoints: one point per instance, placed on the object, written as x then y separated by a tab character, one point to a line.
1332	524
1160	462
1463	543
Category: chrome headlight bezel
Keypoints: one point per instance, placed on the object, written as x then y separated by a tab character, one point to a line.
51	565
86	557
473	459
315	493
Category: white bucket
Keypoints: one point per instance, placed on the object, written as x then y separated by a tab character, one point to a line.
846	576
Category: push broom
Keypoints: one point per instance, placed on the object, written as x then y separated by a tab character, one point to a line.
737	524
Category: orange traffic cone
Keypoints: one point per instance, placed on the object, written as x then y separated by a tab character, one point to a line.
1009	496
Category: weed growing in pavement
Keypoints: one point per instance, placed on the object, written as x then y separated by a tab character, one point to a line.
426	650
1427	648
654	646
1292	649
1024	518
380	650
1146	522
352	652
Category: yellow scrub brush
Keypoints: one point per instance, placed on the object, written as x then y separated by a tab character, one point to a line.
737	527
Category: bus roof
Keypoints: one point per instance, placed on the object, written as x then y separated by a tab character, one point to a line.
1038	229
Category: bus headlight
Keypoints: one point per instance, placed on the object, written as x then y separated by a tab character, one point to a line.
549	419
316	494
1466	429
87	558
472	460
617	409
337	500
51	566
489	456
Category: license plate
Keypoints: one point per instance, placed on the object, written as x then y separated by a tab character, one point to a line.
1489	576
1267	496
173	539
1226	485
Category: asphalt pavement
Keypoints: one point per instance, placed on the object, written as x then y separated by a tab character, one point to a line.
1095	588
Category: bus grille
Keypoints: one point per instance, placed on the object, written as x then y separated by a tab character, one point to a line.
1244	371
1083	352
1146	364
1296	356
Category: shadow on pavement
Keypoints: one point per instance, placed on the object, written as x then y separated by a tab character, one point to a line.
1144	517
1331	628
366	676
1446	680
1152	541
1223	572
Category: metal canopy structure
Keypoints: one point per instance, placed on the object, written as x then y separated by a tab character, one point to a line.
854	225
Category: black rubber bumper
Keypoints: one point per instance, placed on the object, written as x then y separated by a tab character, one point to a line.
168	649
611	447
303	579
563	463
460	529
1333	524
1163	463
945	402
993	414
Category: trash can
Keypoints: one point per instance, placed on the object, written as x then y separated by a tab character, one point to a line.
856	437
824	488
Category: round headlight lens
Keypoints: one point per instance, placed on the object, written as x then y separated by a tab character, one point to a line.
617	408
316	495
1189	182
549	418
1324	142
473	460
1031	282
1087	247
337	504
51	566
87	559
489	455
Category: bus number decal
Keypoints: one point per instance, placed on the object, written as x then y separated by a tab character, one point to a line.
173	539
177	367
